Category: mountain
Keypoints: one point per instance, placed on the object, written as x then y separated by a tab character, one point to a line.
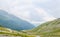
50	28
10	21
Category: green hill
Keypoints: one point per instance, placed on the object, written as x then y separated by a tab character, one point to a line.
50	28
8	32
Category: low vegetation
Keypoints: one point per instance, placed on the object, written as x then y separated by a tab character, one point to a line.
48	29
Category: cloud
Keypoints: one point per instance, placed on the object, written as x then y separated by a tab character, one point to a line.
37	23
23	8
17	7
44	14
41	1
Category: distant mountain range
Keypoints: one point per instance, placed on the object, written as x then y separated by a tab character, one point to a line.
10	21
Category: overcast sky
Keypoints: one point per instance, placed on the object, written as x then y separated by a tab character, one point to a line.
34	11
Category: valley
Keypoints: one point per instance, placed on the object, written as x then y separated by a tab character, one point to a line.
48	29
12	26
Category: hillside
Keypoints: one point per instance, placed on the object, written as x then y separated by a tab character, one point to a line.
6	32
50	28
13	22
11	25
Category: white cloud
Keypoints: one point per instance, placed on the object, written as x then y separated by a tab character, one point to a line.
21	9
44	14
37	23
41	1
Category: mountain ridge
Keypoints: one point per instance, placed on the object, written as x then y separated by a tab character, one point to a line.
13	22
47	28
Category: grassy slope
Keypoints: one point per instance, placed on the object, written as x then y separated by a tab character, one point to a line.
9	32
50	28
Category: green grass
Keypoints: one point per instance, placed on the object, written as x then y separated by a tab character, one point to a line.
48	29
9	32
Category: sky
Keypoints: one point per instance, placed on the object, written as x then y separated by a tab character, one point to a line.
33	11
